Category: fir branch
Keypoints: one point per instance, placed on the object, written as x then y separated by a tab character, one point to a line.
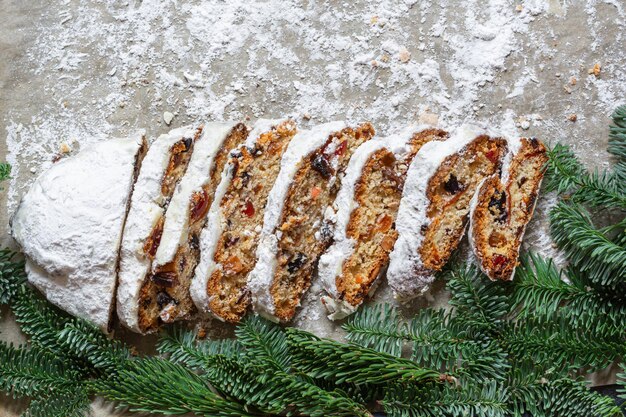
155	385
41	321
540	291
617	134
33	372
60	404
558	343
560	397
252	371
12	275
480	304
330	360
87	342
378	327
443	342
277	392
566	174
182	346
265	343
588	248
488	400
5	171
621	380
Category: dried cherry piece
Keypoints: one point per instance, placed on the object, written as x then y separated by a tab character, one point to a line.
321	165
341	148
200	201
248	209
492	155
296	262
498	260
152	242
452	185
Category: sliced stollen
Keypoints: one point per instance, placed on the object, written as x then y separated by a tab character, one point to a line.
434	208
502	207
366	208
229	241
162	168
294	234
69	225
164	295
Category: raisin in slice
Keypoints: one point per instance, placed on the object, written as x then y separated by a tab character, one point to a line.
321	165
163	299
296	262
452	185
497	206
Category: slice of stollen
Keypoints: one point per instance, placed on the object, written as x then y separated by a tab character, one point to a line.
434	208
69	225
366	207
164	296
229	241
295	231
503	206
162	168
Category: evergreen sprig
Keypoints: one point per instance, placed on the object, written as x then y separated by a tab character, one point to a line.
487	400
588	248
330	360
33	372
617	135
565	174
156	385
5	172
541	290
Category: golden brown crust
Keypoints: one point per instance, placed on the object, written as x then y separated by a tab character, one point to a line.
450	191
164	296
502	211
243	207
314	189
372	222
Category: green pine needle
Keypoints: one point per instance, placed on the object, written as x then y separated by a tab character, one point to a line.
480	304
378	327
60	404
589	249
5	171
566	174
541	291
488	400
561	397
330	360
155	385
558	343
617	135
12	275
33	372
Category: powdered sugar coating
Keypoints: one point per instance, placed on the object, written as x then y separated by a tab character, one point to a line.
198	174
260	278
146	208
69	225
211	233
331	262
405	275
